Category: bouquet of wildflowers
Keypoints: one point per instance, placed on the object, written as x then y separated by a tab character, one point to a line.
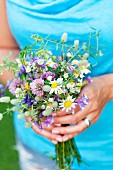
45	83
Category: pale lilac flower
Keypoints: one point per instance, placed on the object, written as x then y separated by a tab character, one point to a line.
82	102
70	68
14	84
55	66
37	87
40	126
48	121
88	79
2	90
39	61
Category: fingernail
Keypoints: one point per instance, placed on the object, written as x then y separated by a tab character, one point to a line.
55	142
56	131
57	124
59	138
65	138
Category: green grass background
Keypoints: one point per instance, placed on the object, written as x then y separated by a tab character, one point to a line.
8	155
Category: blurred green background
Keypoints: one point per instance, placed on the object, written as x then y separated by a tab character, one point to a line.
8	153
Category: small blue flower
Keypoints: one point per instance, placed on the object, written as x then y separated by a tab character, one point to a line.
28	101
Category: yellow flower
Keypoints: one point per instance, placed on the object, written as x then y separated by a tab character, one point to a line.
54	85
48	104
27	86
67	104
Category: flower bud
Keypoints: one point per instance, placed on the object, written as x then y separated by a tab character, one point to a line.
1	116
37	98
27	113
16	108
18	90
47	112
5	99
46	88
64	37
76	44
43	107
20	116
14	101
86	55
28	124
55	104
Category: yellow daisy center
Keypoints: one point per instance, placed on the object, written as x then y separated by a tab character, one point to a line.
72	83
74	62
27	86
68	104
54	85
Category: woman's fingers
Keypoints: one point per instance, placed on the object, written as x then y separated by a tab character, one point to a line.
46	132
77	128
73	118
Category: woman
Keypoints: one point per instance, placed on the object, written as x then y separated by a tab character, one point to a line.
75	17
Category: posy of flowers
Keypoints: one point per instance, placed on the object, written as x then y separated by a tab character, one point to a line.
45	83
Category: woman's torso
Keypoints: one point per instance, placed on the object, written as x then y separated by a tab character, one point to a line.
54	17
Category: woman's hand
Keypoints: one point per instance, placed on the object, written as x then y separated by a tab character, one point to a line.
100	91
47	132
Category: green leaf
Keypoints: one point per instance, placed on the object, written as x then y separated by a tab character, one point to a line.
51	69
22	77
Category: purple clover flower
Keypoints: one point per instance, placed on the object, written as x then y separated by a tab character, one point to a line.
14	84
2	90
47	74
82	102
37	87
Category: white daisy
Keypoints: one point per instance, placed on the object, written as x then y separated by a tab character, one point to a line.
71	84
50	63
68	104
55	86
75	62
66	75
40	61
28	69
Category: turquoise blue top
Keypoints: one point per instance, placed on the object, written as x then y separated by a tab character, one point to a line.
74	17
